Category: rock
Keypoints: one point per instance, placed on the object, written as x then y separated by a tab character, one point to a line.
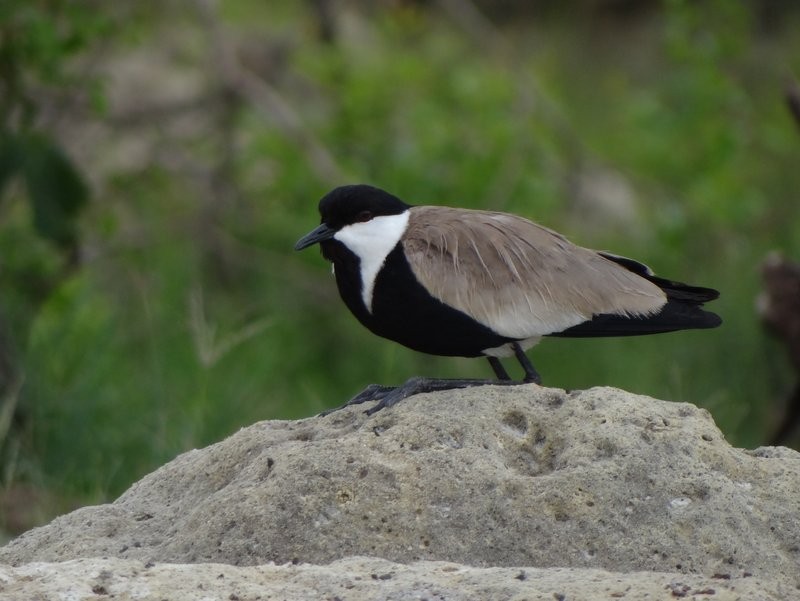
489	477
360	579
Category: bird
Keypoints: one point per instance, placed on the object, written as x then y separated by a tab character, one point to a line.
470	283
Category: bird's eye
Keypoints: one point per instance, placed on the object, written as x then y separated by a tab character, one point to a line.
364	216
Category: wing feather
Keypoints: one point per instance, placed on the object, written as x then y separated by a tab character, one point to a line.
517	277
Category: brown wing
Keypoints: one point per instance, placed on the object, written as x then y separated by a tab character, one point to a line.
517	277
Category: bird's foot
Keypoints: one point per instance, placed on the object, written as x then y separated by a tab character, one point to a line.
373	392
391	395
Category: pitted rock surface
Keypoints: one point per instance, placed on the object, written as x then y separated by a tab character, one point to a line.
486	477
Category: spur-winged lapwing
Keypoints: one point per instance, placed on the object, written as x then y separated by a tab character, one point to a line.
465	283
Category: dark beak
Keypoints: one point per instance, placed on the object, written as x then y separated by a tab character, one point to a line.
319	234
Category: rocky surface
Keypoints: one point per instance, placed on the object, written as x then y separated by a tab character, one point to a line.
361	579
600	481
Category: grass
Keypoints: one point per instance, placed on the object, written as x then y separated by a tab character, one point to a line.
664	139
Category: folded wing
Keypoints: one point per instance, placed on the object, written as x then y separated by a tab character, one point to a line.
519	278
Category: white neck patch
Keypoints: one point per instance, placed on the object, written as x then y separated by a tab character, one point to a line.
372	241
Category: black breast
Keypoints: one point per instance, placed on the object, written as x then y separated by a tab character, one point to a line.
404	311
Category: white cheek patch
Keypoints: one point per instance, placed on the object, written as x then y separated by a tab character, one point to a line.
372	241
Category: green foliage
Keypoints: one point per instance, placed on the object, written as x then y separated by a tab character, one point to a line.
35	42
8	160
38	37
192	315
56	190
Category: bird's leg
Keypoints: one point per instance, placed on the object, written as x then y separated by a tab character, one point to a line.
420	385
531	375
498	368
391	395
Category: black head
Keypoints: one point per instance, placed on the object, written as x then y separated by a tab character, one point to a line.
358	202
346	205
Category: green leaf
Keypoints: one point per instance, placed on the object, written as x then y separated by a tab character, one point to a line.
9	158
57	190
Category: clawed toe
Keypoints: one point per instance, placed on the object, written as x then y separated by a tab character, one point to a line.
373	392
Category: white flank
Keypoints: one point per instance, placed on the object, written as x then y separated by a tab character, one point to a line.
372	241
506	350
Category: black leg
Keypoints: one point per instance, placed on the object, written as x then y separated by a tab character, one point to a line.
419	385
498	368
531	375
391	395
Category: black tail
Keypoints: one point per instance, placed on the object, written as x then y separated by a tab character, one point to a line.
682	312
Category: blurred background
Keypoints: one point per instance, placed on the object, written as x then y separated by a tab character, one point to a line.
158	160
